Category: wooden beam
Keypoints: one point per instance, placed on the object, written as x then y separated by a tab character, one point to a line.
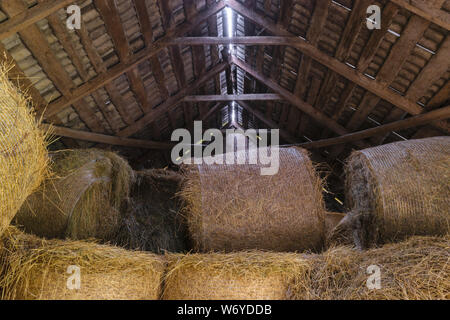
121	68
106	139
335	65
415	121
118	102
212	111
88	116
144	21
178	66
234	97
433	71
171	102
38	45
401	50
318	20
61	32
423	9
137	86
107	114
352	28
377	36
212	31
159	76
294	100
28	17
270	123
110	15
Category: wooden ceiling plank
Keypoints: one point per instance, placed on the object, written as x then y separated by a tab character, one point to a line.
377	36
110	15
144	21
29	17
318	20
159	76
294	100
332	63
401	50
433	71
414	121
212	31
233	97
424	10
121	68
38	45
178	66
270	123
101	104
137	86
118	102
63	36
352	28
88	117
171	102
108	139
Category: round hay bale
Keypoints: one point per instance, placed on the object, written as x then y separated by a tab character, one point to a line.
23	153
416	269
398	190
82	200
250	275
32	268
234	207
152	221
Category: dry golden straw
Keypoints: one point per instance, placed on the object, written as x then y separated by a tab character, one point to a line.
23	154
396	191
152	221
234	207
416	269
82	199
234	276
33	268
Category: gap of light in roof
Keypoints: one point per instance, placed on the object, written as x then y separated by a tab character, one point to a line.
229	17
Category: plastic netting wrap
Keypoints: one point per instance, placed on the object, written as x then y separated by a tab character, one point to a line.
82	199
398	190
233	207
23	154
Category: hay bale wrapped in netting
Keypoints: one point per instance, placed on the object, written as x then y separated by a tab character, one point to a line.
33	268
397	190
152	221
251	275
233	207
416	269
23	153
82	199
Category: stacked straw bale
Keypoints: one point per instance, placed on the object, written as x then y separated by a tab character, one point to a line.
32	268
152	221
415	269
82	199
251	275
397	190
234	207
23	153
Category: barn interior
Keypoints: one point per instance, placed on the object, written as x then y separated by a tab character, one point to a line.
111	80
